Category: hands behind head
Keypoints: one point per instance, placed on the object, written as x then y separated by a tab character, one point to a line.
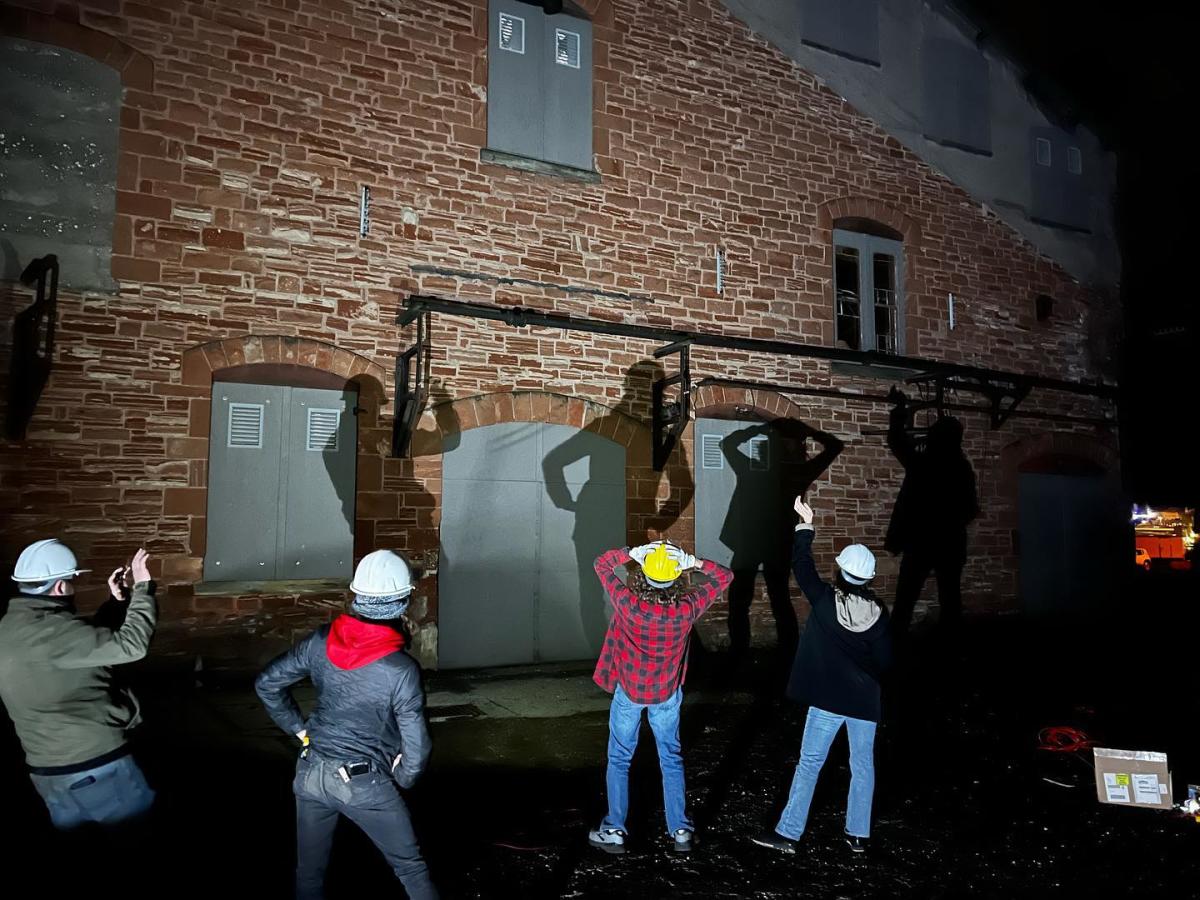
803	510
686	560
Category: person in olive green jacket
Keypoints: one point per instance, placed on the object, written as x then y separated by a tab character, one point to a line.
56	682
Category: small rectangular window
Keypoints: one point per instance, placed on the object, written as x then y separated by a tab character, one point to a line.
566	48
868	291
512	33
1074	161
711	456
1043	152
322	432
245	425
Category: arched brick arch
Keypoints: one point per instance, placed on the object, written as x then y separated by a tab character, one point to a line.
1099	453
712	399
876	210
443	420
137	71
201	361
1013	457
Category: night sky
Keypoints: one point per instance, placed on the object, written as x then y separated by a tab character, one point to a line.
1121	70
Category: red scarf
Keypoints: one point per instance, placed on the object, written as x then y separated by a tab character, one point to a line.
353	643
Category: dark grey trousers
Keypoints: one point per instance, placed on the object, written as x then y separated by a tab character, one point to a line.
373	803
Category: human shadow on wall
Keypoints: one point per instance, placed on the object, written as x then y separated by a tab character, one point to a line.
341	463
30	353
936	503
760	521
591	500
418	536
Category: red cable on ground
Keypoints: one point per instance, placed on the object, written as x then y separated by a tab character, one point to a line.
1063	739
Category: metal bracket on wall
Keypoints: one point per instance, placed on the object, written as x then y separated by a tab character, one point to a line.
33	345
1004	394
411	387
670	417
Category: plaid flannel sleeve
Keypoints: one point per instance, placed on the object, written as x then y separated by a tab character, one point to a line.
708	593
605	566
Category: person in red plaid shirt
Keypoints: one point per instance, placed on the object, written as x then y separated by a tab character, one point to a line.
643	664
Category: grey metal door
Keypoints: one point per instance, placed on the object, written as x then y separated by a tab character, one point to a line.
1070	529
246	439
526	508
280	483
737	492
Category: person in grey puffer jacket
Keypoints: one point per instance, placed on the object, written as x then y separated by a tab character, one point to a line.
367	733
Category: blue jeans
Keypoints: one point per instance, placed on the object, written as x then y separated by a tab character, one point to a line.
624	722
819	731
110	794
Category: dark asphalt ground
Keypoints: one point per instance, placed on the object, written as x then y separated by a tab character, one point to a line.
962	806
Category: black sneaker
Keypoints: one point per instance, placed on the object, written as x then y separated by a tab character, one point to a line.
773	840
684	841
857	844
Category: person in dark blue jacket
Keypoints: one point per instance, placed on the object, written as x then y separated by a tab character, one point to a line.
844	651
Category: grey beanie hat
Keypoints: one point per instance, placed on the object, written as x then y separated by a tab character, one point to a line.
382	608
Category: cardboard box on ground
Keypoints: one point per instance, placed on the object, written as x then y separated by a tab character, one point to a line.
1133	778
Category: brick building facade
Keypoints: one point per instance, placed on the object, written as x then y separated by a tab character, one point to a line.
246	134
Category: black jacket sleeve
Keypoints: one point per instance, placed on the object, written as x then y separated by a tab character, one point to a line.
805	569
408	706
274	682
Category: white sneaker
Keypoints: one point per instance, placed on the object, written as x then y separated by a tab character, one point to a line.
684	841
610	840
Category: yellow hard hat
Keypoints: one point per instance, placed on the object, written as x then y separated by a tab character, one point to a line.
660	565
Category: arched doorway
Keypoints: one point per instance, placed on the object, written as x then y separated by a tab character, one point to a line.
281	475
526	508
1073	534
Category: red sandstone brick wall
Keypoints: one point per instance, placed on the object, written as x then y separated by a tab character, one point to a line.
246	133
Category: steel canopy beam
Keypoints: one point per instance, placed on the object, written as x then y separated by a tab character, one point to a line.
855	396
518	316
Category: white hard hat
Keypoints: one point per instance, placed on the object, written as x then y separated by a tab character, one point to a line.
383	573
47	560
857	564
